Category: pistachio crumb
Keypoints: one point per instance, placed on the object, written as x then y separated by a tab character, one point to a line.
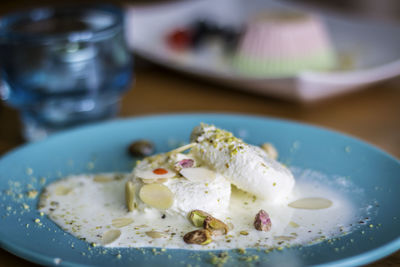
241	250
32	193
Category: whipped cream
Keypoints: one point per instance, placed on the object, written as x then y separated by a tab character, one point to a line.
246	166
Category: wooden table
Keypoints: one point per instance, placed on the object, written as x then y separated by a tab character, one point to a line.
372	115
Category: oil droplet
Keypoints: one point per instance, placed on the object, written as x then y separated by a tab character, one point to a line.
311	203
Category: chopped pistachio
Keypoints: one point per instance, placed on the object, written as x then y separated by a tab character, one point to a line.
200	237
215	226
32	193
262	221
197	217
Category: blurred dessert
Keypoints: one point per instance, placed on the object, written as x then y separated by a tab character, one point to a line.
202	34
284	43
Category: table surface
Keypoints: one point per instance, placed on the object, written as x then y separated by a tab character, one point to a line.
372	115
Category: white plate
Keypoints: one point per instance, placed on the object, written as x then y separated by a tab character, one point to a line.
374	48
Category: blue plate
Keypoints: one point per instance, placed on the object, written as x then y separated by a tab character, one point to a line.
102	148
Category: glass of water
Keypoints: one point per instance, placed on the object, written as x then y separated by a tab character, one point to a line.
62	67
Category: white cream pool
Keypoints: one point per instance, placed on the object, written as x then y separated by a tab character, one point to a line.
92	207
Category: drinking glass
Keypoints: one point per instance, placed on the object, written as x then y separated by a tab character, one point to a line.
65	66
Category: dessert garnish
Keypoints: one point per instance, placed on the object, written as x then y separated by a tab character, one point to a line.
130	195
121	222
198	174
270	150
199	237
197	217
215	226
157	196
110	236
262	222
155	234
141	148
185	163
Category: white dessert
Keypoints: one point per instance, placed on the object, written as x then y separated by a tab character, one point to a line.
150	206
212	195
246	166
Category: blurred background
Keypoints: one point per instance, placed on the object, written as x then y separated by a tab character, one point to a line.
372	114
360	95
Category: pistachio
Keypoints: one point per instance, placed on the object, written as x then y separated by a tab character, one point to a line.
130	195
141	148
32	193
185	163
110	236
262	222
157	195
199	237
244	233
270	150
197	217
215	226
155	234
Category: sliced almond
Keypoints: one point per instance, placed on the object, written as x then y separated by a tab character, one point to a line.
102	179
270	150
284	238
121	222
156	234
154	181
182	148
198	175
130	195
62	190
311	203
157	195
149	174
110	236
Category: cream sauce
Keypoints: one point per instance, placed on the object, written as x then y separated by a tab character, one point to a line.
93	209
